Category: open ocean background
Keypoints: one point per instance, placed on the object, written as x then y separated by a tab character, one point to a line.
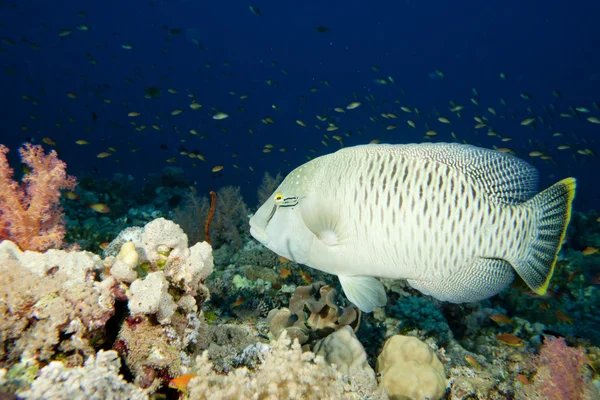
217	51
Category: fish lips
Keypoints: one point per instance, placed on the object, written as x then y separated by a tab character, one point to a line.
259	235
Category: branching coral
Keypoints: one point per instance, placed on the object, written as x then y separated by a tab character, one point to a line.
30	214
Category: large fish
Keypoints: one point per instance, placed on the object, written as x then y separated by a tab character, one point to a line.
455	220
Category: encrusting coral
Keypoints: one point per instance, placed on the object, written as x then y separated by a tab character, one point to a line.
52	305
164	301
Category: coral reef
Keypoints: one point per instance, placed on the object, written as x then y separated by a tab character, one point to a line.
98	379
163	301
285	373
148	299
52	305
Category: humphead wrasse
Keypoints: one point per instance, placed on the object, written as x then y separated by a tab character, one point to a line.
456	221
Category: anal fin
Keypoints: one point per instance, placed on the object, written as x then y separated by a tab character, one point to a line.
485	278
365	292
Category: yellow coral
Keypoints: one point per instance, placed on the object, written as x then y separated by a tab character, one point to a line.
410	370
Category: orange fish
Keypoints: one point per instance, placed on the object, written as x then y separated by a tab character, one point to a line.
563	318
305	277
104	245
588	251
573	274
100	207
509	339
523	379
544	305
500	319
181	383
284	273
284	260
241	300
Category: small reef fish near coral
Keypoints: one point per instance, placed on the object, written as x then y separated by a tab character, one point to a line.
202	200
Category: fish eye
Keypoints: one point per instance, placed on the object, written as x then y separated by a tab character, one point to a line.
278	198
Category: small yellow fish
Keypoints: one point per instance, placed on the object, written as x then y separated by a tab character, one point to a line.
594	120
472	362
176	111
301	123
99	207
195	106
49	141
528	121
220	115
353	105
104	154
444	120
71	195
81	142
217	168
134	114
588	251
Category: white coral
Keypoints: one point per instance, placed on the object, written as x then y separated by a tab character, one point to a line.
99	379
151	296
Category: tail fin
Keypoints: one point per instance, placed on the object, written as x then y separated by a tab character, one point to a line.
552	208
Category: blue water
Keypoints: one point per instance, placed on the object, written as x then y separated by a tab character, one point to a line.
540	46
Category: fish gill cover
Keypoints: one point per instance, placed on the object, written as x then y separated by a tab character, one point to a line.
154	104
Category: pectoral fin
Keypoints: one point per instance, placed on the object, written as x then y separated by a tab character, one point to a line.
365	292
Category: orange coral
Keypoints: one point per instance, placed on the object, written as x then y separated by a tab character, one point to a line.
30	212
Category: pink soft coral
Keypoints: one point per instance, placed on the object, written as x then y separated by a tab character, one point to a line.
30	212
561	371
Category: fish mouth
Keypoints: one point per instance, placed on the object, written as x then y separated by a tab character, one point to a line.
259	235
